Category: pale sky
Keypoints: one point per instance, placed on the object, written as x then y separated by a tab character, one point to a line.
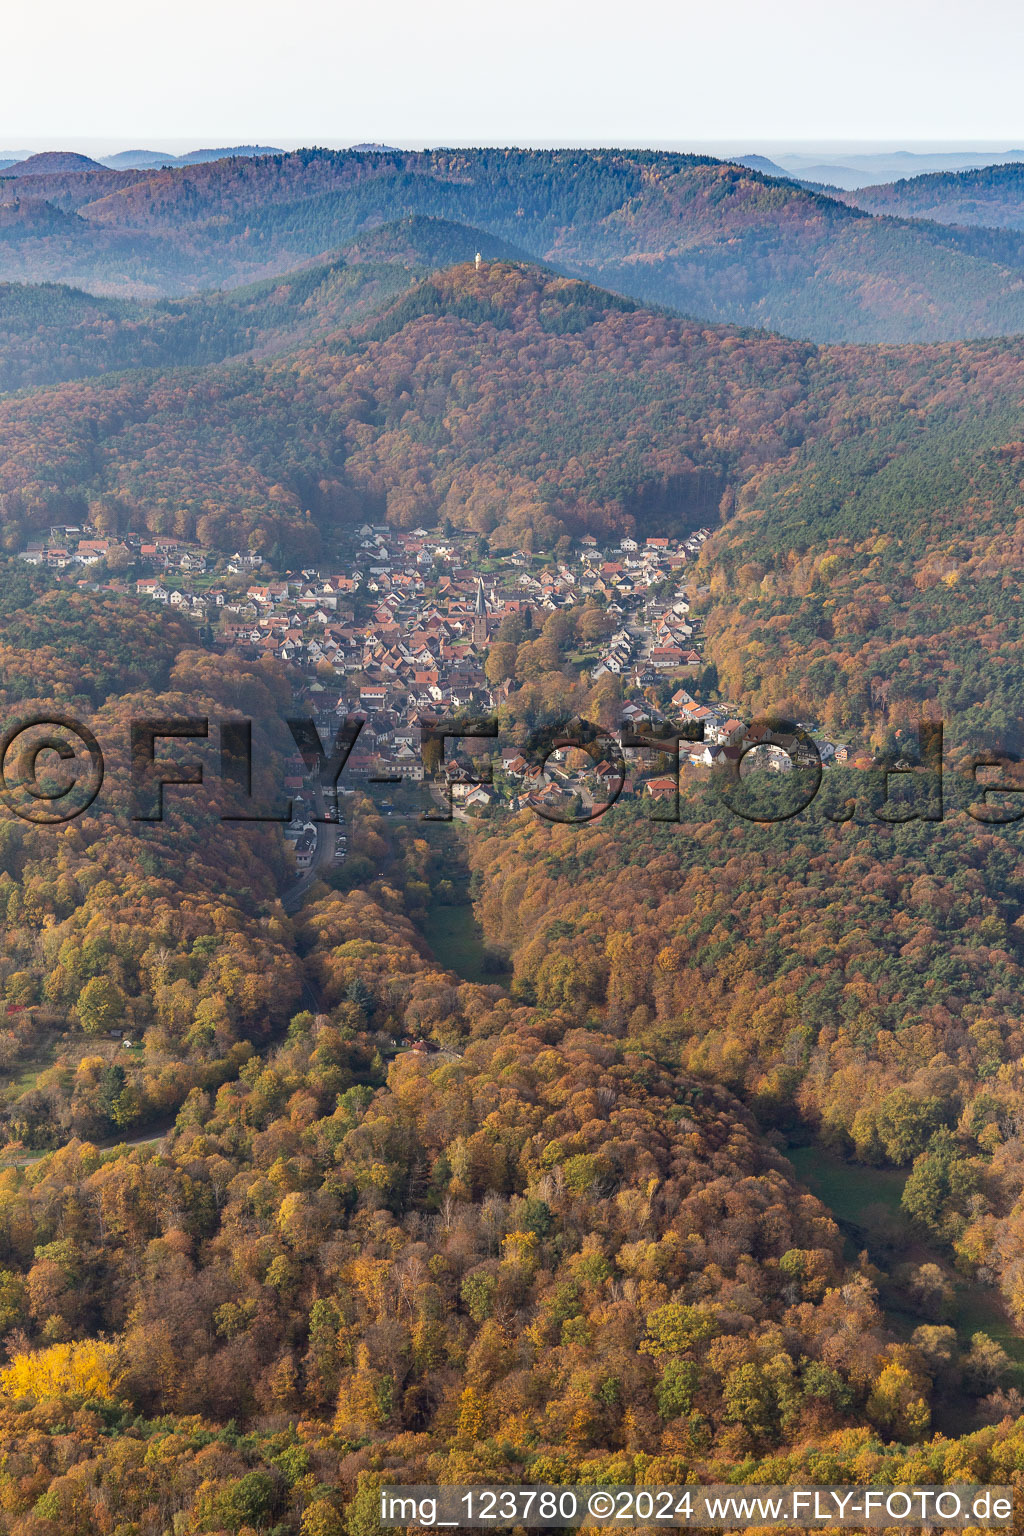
117	73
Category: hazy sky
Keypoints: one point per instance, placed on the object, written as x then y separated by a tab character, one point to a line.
468	71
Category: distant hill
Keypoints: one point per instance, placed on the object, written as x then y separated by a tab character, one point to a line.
701	236
992	196
237	151
154	159
430	243
51	333
852	170
826	175
762	164
139	159
53	163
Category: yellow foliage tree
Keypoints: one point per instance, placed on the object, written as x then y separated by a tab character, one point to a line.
82	1369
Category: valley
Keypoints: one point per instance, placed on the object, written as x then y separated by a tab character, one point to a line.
587	1135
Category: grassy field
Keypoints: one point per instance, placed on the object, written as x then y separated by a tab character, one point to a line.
457	940
862	1199
28	1074
848	1189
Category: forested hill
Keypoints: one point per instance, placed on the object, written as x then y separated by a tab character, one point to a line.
51	333
520	404
517	403
710	239
992	196
869	562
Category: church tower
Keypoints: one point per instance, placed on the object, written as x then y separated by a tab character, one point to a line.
480	615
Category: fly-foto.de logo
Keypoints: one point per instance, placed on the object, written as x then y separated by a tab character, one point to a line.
52	769
52	766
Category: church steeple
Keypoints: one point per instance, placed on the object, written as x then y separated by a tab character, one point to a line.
480	614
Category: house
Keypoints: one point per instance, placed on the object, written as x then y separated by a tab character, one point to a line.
728	733
706	756
305	849
152	586
699	714
479	798
607	773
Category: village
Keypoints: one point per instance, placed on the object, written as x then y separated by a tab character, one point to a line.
401	637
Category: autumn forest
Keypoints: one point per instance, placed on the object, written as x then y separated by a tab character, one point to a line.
699	1157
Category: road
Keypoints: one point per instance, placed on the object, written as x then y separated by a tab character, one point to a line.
25	1159
293	896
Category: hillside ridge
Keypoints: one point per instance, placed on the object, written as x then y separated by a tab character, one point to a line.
702	236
